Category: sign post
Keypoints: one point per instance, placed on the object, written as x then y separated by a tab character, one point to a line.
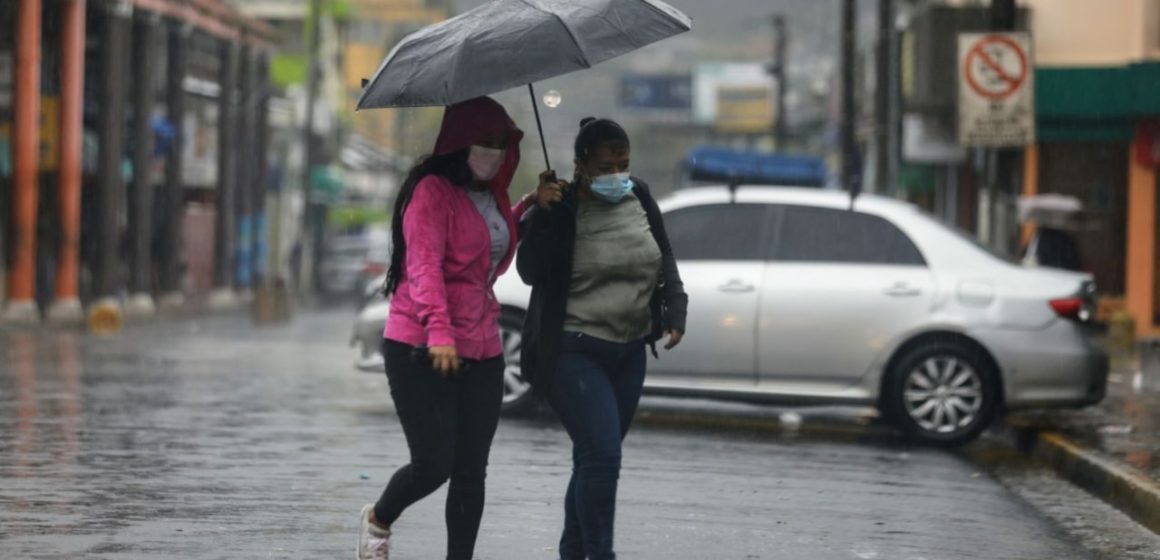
996	90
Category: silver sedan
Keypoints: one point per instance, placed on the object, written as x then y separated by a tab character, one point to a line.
799	297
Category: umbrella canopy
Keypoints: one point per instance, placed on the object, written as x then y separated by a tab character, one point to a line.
1051	210
510	43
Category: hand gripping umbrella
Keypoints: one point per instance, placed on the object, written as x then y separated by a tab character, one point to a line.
509	43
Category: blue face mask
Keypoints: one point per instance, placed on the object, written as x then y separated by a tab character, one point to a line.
612	188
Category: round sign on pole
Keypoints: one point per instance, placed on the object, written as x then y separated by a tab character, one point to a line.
996	92
995	67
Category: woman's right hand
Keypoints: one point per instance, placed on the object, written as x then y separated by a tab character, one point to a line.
549	192
444	359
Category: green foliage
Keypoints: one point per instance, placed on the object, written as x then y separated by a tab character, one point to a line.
347	217
287	69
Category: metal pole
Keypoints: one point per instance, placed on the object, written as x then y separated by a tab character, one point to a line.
224	219
540	127
1003	15
882	82
25	134
262	162
952	173
1001	178
243	194
114	66
779	71
894	115
849	149
305	236
177	67
141	190
67	307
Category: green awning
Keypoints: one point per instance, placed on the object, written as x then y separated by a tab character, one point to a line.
1098	92
1095	103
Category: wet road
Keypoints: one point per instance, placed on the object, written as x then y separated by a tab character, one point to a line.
207	439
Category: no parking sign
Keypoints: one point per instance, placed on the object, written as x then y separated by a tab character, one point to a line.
996	92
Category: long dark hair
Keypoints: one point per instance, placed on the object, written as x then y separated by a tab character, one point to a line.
452	167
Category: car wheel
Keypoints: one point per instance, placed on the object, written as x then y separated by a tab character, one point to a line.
517	393
942	393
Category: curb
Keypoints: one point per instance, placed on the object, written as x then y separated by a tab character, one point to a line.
1117	484
162	315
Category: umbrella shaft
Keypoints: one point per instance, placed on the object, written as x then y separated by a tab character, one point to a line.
540	127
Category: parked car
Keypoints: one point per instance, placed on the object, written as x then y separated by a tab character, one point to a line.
375	263
350	261
800	296
342	263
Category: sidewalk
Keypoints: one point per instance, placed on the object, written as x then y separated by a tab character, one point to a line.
268	312
1112	450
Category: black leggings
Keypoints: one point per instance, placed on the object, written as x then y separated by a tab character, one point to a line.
449	423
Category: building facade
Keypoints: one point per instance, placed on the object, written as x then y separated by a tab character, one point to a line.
118	118
1097	99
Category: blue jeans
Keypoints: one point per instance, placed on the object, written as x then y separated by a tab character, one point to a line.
596	392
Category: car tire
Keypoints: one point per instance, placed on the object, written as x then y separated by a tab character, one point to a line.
518	397
941	393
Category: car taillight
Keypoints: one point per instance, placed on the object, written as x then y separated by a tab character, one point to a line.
1081	307
1069	308
374	268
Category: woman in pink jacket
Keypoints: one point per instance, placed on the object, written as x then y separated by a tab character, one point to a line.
454	233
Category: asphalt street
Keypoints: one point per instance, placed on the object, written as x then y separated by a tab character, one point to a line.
207	439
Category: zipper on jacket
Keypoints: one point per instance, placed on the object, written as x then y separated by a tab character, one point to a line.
489	293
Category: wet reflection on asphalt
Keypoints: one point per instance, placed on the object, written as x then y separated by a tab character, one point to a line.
208	439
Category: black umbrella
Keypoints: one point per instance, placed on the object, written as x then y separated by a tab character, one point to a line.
511	43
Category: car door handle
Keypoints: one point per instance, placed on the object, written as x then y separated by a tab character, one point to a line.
902	290
737	287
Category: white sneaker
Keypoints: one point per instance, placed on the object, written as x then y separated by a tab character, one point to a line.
373	541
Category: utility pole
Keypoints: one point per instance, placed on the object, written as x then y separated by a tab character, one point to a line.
262	173
1001	168
244	173
179	36
305	235
146	29
118	29
850	163
1003	14
225	228
882	84
777	71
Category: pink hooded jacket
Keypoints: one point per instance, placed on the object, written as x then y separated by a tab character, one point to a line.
445	296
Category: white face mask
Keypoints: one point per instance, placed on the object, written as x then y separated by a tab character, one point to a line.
485	162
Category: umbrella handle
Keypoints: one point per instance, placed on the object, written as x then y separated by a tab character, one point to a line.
540	127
